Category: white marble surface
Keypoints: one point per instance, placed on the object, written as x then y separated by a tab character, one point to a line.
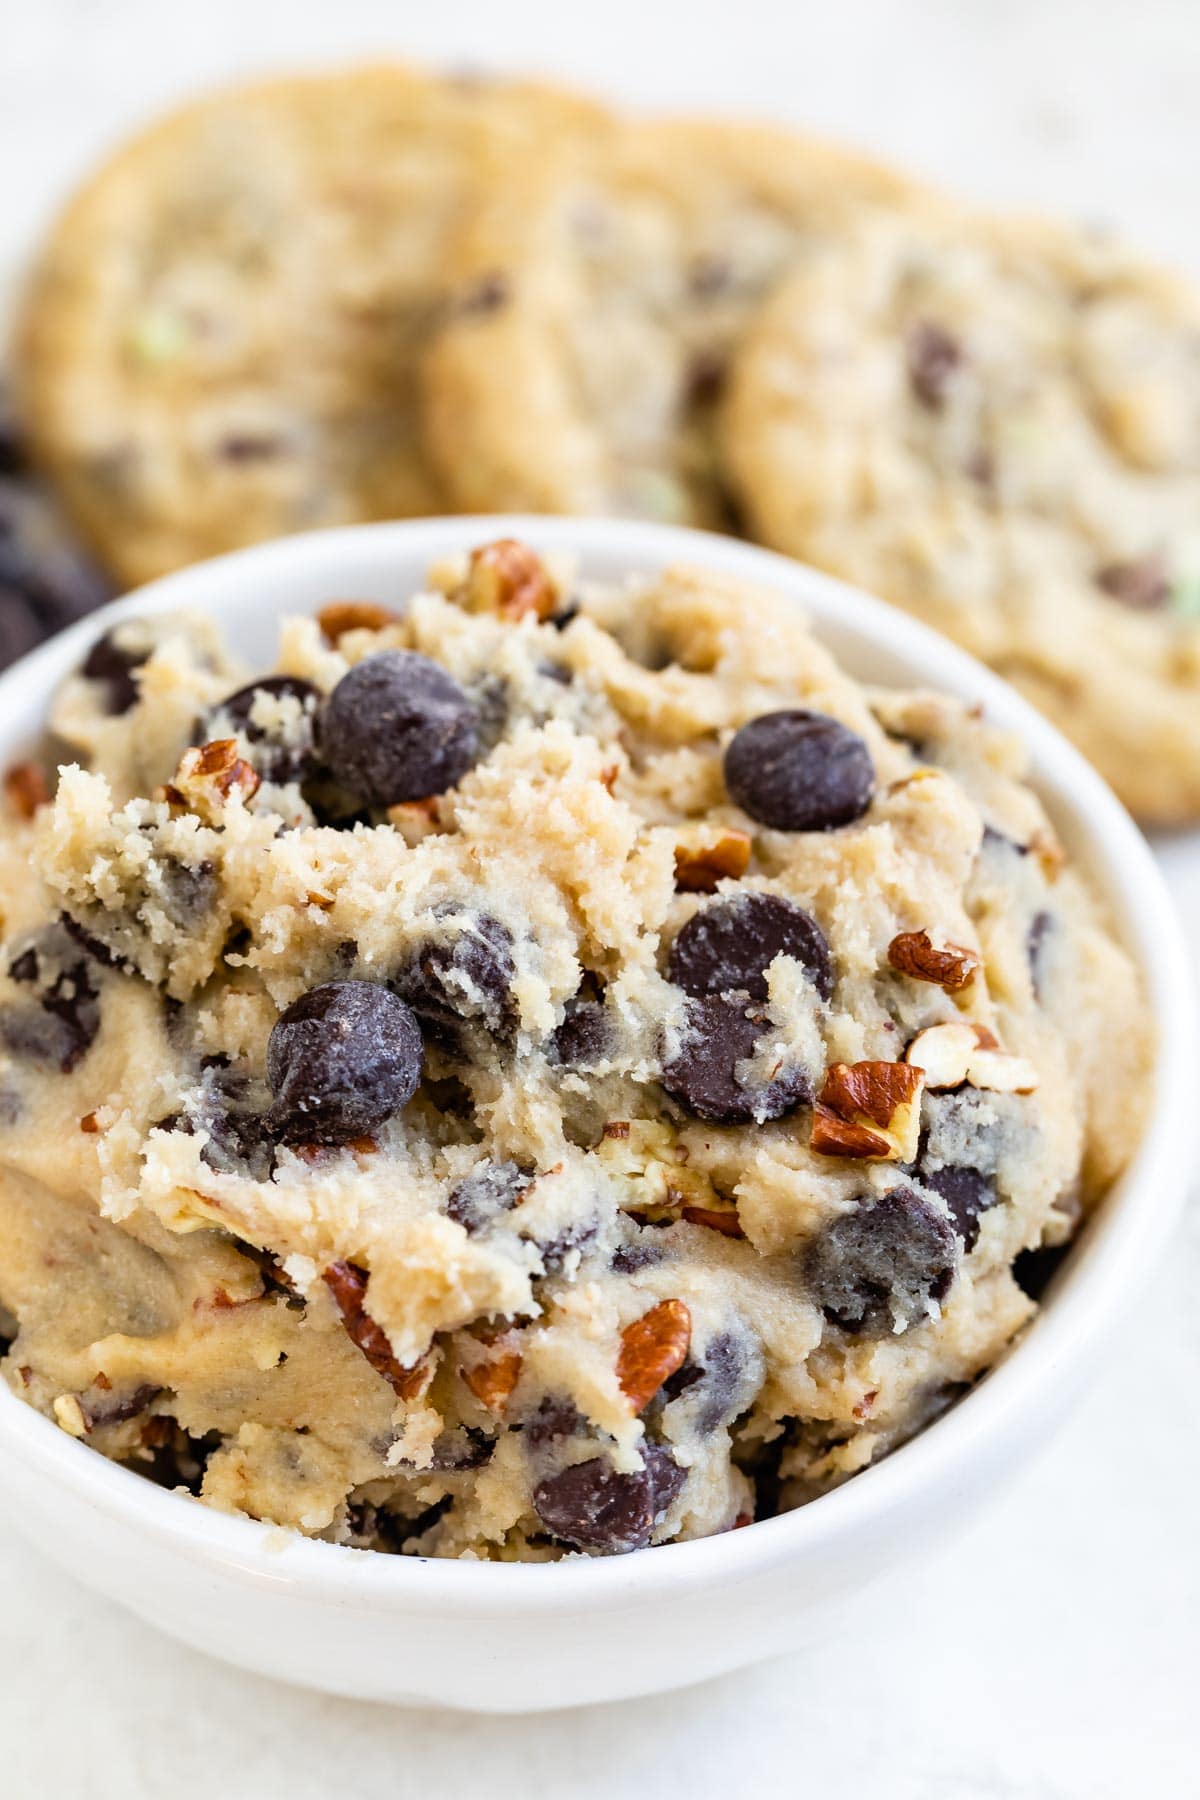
1052	1652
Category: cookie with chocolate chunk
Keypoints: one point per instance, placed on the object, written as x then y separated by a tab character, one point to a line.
220	342
996	425
597	300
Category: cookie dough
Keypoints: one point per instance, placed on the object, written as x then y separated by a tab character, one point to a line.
597	299
220	342
620	1090
997	427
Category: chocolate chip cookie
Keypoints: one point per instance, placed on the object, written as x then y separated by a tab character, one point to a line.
549	1069
997	427
220	342
596	302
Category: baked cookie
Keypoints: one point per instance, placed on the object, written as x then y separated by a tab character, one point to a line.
997	427
220	342
554	1070
598	297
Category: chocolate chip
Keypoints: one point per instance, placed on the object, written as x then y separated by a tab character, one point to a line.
967	1193
882	1264
721	1031
1143	583
487	295
398	728
463	978
627	1259
276	757
113	668
462	1447
115	1408
186	892
585	1037
731	943
593	1507
489	1191
555	1418
799	771
250	447
555	1251
933	357
227	1107
1034	1270
341	1060
1041	926
705	376
728	1376
59	1028
54	1039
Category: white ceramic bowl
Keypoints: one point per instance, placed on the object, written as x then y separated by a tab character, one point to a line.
510	1637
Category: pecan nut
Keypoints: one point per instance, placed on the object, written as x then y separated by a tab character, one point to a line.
25	788
509	579
492	1382
913	953
705	855
209	775
341	616
652	1349
869	1109
348	1285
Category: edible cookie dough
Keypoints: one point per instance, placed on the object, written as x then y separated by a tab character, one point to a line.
596	300
998	428
220	342
559	1070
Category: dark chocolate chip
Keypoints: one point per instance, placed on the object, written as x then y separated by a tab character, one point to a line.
1143	583
799	771
489	1191
724	1384
1041	926
398	728
274	759
933	357
463	978
341	1060
731	943
186	892
627	1259
487	295
58	1028
113	667
593	1507
462	1447
1034	1270
555	1418
555	1251
55	1039
585	1036
721	1031
967	1193
705	376
108	1408
882	1263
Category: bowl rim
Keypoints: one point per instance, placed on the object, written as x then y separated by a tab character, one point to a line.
1013	1399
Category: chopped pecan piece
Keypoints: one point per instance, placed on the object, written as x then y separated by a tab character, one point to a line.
25	788
341	616
652	1348
493	1382
348	1285
955	1053
723	1219
869	1109
954	968
508	578
704	856
210	775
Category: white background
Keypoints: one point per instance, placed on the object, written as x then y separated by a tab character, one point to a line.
1053	1652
